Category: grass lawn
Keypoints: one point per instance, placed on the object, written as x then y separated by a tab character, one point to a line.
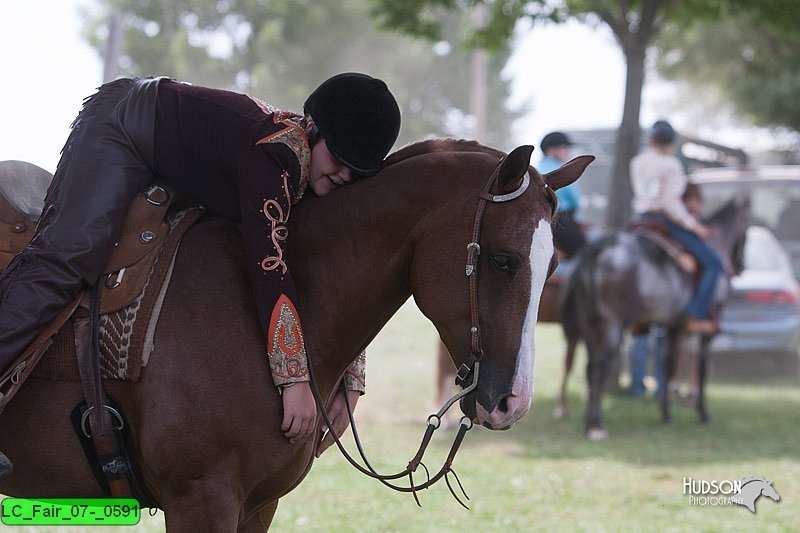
542	475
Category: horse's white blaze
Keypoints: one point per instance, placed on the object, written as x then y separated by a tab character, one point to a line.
519	403
540	256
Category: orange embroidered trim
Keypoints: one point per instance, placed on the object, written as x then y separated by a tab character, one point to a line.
287	352
292	135
274	212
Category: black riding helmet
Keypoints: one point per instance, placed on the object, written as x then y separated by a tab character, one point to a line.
358	117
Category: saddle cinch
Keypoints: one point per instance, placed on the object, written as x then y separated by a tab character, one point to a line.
146	230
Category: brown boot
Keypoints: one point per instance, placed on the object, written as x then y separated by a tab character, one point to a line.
5	465
698	325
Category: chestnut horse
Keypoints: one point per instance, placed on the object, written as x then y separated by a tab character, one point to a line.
549	312
205	417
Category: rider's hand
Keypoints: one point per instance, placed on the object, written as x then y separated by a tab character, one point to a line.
702	231
338	415
299	412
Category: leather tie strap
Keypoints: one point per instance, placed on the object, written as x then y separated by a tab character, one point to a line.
97	408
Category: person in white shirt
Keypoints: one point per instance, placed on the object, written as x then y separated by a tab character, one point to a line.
658	182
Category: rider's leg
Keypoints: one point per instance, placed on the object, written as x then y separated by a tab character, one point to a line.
659	343
84	208
99	174
639	354
699	307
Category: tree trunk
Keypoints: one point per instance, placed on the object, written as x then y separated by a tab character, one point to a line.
478	99
113	47
628	139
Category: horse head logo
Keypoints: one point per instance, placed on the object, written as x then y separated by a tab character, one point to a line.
752	488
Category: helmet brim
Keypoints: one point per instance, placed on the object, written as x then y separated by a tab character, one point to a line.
362	170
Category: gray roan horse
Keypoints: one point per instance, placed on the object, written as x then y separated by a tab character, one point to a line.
624	281
204	416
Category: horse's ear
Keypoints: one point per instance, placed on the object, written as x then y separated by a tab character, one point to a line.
568	172
514	167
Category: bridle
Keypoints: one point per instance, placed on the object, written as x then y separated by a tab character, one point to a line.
473	252
469	367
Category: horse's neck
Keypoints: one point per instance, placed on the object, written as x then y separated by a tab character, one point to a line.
726	229
351	258
724	234
720	241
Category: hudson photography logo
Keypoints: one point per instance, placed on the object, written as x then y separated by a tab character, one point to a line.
727	492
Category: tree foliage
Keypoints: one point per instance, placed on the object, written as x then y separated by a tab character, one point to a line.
635	23
279	50
746	60
759	73
422	18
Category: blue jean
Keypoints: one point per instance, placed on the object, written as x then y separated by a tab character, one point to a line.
640	350
711	268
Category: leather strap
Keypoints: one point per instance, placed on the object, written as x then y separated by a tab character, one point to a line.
97	408
473	253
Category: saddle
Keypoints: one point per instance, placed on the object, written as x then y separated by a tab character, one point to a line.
22	192
129	270
133	284
658	233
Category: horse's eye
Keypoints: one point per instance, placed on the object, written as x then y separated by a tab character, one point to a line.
503	262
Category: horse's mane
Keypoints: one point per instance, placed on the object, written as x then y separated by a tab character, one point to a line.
458	145
439	145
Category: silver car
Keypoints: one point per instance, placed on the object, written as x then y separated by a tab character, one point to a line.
774	195
762	315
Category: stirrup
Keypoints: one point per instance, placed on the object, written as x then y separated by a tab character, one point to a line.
5	465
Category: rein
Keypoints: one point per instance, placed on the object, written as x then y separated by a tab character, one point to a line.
470	367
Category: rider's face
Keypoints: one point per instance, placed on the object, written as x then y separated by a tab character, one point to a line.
327	173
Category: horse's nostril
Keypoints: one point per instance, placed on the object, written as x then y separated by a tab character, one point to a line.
503	405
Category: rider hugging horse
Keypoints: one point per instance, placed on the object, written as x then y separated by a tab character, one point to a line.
626	281
204	421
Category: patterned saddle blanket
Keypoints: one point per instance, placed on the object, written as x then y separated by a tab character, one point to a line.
126	334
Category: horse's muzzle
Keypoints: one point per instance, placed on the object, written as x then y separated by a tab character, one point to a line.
506	411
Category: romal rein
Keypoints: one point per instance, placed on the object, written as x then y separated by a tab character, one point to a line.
470	367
